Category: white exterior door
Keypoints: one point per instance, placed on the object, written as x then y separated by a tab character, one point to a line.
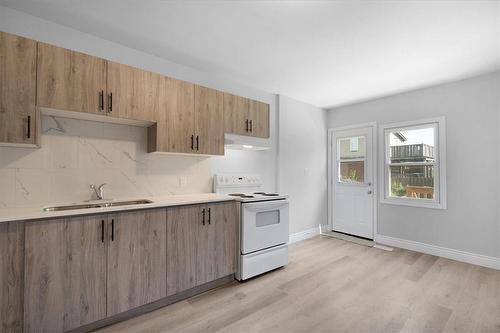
352	179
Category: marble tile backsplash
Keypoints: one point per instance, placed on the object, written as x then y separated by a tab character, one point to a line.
76	153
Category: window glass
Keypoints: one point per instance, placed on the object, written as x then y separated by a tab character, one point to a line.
351	159
411	162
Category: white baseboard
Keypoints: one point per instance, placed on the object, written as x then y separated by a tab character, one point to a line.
298	236
468	257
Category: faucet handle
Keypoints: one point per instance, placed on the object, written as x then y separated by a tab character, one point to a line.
102	185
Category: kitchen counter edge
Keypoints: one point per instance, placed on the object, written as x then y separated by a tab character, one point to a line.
37	213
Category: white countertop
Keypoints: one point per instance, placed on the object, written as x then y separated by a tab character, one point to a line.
35	213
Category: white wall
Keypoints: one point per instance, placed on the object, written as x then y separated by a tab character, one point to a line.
14	161
472	109
302	162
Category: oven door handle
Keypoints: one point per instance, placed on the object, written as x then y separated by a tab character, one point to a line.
265	205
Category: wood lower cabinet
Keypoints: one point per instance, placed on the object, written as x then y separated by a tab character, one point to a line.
11	276
80	270
65	273
61	274
183	225
201	244
225	220
133	93
136	259
18	116
70	81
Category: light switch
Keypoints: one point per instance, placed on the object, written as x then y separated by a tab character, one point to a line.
183	181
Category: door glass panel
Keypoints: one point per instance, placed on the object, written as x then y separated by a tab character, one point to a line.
351	159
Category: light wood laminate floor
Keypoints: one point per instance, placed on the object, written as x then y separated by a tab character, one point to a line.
332	285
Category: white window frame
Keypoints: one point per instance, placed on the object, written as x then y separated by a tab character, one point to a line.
439	201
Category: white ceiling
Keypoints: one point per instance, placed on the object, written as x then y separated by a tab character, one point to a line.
326	53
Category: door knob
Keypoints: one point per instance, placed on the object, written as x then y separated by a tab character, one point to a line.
370	192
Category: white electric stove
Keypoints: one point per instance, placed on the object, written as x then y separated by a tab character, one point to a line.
264	223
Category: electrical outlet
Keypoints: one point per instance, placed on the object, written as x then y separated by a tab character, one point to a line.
183	181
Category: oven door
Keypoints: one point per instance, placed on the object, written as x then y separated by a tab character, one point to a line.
264	225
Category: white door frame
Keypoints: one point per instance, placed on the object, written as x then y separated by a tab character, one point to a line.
331	160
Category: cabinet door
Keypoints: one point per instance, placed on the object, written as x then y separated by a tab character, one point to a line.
175	121
224	220
17	89
216	250
206	256
235	114
11	276
65	274
209	121
136	259
71	81
183	225
259	117
132	92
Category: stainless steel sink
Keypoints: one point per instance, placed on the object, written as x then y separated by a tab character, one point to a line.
98	205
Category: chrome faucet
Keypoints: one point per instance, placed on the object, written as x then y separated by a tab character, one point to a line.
99	191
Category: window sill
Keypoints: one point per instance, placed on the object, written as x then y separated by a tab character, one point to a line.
419	203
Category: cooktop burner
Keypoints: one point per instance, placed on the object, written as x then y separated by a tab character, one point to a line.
241	195
267	194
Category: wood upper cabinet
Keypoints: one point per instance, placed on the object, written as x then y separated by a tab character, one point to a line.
133	93
243	116
174	128
136	259
201	244
11	276
236	114
258	114
18	117
209	120
190	120
65	273
69	80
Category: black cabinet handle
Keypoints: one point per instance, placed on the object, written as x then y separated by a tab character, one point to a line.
101	100
102	231
192	142
110	104
197	142
246	124
112	230
251	126
210	216
28	132
203	213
